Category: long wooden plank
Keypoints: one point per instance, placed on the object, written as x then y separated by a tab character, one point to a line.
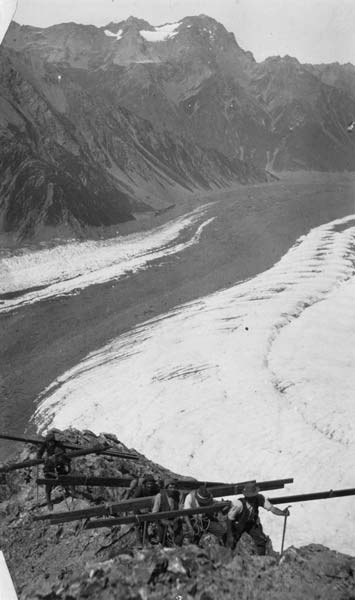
313	496
38	441
89	481
39	461
188	484
219	489
172	514
126	481
106	510
146	503
21	438
237	488
132	504
217	486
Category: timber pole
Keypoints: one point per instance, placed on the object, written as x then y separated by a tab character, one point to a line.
134	504
39	441
83	452
313	496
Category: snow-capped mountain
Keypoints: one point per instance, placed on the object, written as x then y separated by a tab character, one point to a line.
99	122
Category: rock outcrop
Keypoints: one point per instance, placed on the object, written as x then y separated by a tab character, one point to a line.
66	562
73	154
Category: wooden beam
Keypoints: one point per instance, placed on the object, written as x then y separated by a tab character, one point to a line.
83	452
220	488
40	440
313	496
89	481
168	514
145	503
237	488
106	510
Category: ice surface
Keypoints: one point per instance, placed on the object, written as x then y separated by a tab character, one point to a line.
66	269
254	381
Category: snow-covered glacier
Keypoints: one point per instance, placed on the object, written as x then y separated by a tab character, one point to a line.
66	269
253	381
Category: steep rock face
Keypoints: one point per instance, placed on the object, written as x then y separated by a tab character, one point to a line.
191	78
308	117
120	118
48	175
337	75
70	155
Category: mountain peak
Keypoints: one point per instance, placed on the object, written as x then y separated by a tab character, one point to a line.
130	24
143	29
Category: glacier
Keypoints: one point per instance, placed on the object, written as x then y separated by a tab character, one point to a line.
253	381
65	269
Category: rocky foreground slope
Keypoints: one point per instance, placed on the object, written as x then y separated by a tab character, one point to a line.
66	562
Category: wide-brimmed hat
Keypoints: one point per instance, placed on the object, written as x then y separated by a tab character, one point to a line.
203	496
251	490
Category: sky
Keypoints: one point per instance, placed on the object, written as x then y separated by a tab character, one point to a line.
311	30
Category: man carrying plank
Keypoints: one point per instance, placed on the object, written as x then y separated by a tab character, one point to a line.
56	463
198	524
244	517
148	488
168	532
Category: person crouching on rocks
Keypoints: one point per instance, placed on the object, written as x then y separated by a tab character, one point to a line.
243	517
56	463
197	525
168	531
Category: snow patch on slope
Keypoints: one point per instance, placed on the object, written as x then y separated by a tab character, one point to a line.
161	33
117	35
253	381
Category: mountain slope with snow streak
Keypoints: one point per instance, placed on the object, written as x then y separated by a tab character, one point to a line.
66	269
252	381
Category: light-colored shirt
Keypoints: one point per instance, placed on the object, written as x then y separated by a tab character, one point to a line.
191	501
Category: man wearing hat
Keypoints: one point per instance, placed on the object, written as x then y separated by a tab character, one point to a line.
166	500
56	462
148	487
197	524
244	517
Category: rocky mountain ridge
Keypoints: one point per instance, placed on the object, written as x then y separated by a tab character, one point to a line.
66	561
72	154
99	123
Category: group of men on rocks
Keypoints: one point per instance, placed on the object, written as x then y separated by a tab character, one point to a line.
240	516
